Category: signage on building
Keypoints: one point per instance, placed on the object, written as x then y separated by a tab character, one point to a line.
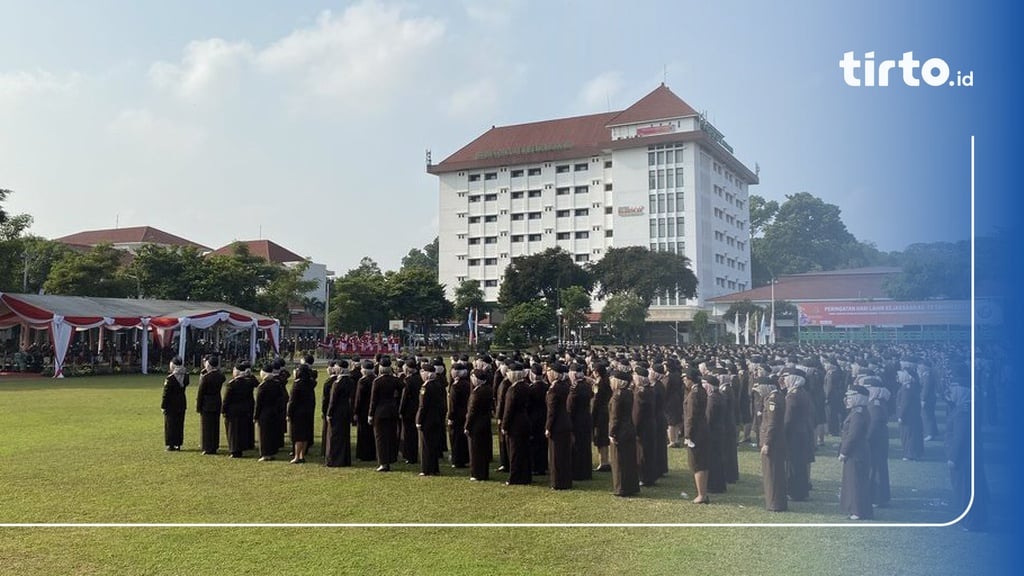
631	210
713	133
523	150
396	324
931	312
653	130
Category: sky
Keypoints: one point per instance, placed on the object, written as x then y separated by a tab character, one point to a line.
308	123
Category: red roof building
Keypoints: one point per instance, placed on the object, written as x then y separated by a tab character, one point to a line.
266	249
130	239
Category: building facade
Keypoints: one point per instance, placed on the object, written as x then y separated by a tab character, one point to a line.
656	174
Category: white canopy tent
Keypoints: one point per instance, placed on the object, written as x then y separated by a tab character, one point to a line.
63	315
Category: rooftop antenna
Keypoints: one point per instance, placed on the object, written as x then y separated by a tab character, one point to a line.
260	236
664	74
117	221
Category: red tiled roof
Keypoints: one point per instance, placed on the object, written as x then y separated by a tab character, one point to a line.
562	138
269	251
660	104
131	235
852	284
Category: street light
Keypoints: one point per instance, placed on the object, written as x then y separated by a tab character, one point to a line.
771	332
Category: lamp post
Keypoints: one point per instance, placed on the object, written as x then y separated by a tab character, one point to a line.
328	280
771	331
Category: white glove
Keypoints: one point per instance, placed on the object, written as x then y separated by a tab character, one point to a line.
689	443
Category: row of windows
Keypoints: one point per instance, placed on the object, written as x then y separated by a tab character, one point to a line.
663	178
663	154
729	196
667	227
536	171
666	203
730	262
677	247
536	215
731	241
730	284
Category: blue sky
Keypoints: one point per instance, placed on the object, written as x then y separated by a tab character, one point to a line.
307	122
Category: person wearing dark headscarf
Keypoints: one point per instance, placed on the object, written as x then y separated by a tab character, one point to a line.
622	434
599	415
173	404
908	411
499	410
558	428
717	415
730	438
772	435
332	377
365	449
383	415
238	407
658	375
645	422
301	412
580	393
800	433
538	390
458	404
878	438
854	453
430	417
697	434
674	396
281	376
268	396
208	403
338	448
516	427
408	405
478	425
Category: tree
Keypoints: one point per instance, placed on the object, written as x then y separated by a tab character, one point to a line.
700	328
743	309
935	270
541	275
762	212
526	323
805	235
358	300
41	255
646	274
625	314
4	193
166	272
415	294
285	287
425	258
469	295
93	273
575	305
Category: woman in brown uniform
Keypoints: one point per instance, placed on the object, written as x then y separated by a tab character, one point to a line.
696	434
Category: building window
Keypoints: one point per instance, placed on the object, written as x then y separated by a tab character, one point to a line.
607	209
607	163
517	216
474	219
517	195
474	241
534	193
561	168
490	197
490	283
474	177
490	261
654	228
534	237
491	218
741	245
608	233
582	189
583	257
516	174
582	235
474	262
517	238
562	191
490	240
491	176
582	167
562	236
533	172
582	212
679	226
562	214
475	198
608	187
534	216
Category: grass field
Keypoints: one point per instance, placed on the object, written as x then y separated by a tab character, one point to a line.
90	450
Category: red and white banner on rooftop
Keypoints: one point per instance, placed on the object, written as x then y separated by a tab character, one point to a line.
928	313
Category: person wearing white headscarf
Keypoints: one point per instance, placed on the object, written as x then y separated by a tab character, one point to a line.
799	424
855	493
173	405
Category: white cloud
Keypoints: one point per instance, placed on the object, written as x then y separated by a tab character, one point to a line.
155	132
361	56
22	85
600	91
492	12
207	69
474	100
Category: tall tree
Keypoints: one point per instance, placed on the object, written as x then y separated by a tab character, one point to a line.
425	258
625	314
645	274
469	295
94	273
526	323
575	305
358	300
166	272
286	287
541	275
700	328
934	270
415	294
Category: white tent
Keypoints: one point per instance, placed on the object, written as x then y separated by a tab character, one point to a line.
62	315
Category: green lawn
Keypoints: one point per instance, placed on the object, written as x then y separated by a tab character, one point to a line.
90	450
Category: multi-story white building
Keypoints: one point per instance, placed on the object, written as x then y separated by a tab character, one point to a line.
656	174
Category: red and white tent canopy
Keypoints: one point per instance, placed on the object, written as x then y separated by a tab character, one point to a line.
62	315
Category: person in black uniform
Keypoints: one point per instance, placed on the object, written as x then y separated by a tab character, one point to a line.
383	415
237	407
332	377
908	411
515	423
173	405
430	418
622	435
599	415
731	464
458	403
338	446
878	439
558	428
281	376
645	423
301	410
855	493
580	394
800	433
499	410
538	416
208	402
408	405
365	449
265	411
717	409
478	425
772	435
674	396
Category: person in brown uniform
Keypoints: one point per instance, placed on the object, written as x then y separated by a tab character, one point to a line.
173	404
675	393
268	396
599	415
430	418
365	449
515	425
622	435
800	433
478	425
774	457
499	410
878	439
855	493
696	434
301	411
208	402
646	425
408	405
237	407
332	377
458	404
338	448
580	392
558	428
717	416
383	415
